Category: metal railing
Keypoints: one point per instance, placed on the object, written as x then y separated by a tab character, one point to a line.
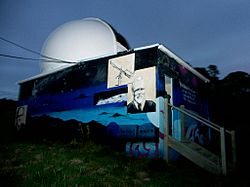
222	131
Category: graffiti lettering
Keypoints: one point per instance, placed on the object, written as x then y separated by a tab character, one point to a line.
196	134
143	149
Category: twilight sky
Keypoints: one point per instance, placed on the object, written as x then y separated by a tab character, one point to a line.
200	32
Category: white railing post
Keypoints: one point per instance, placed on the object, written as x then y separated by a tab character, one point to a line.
223	151
166	127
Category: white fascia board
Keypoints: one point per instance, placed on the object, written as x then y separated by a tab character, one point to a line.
146	47
182	62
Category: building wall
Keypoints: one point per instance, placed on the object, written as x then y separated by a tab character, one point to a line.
97	96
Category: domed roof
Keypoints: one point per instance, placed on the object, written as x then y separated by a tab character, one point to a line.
80	40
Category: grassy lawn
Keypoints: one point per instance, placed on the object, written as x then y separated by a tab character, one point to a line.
47	163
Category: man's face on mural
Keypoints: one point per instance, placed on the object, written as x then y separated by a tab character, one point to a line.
139	90
139	95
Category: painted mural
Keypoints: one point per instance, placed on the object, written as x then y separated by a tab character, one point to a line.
98	90
120	70
118	97
142	91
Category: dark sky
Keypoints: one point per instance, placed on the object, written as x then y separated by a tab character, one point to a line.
200	32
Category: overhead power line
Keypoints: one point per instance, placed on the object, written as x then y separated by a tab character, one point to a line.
27	58
32	51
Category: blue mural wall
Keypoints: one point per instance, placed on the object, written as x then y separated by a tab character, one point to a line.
82	93
188	91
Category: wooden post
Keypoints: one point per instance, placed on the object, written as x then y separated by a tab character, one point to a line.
182	124
223	151
233	144
166	127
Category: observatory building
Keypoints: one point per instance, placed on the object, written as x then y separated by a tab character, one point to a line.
90	77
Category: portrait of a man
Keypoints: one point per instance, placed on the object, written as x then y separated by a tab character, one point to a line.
139	103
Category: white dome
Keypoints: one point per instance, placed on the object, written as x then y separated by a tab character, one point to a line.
79	40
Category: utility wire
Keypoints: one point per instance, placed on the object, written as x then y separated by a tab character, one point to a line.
27	58
35	52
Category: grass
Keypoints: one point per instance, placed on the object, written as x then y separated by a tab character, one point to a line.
39	162
47	163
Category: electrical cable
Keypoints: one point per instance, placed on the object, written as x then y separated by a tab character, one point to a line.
35	52
27	58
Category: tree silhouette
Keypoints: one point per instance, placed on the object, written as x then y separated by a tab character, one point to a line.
213	71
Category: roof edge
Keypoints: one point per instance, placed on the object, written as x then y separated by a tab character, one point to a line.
160	47
182	62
